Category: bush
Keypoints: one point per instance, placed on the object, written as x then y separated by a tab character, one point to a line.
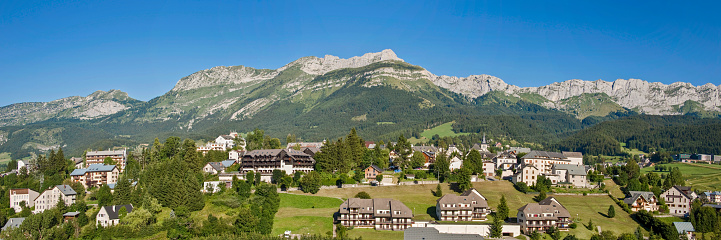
521	187
363	195
573	225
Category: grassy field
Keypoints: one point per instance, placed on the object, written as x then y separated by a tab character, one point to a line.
5	157
442	130
420	199
700	176
303	214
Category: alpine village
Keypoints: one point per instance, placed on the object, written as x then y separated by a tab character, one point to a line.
363	148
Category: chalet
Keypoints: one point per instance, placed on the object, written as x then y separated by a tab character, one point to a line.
96	175
266	160
70	216
98	157
110	215
50	198
19	195
506	161
370	144
372	171
543	215
311	151
377	213
679	199
213	168
642	201
469	206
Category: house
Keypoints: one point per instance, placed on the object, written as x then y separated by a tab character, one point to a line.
517	150
489	168
469	206
575	175
410	176
264	161
642	201
527	174
574	157
711	197
544	161
311	151
50	198
79	162
13	223
70	216
23	164
377	213
213	168
506	160
98	157
226	141
679	199
372	171
110	215
455	163
685	230
235	155
429	233
19	195
96	175
452	149
370	144
543	215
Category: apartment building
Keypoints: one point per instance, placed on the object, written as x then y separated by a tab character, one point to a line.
469	206
377	213
543	215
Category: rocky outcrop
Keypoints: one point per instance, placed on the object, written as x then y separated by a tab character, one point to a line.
97	104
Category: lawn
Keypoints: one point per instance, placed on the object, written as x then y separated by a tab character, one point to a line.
5	157
442	130
303	201
420	199
700	176
303	214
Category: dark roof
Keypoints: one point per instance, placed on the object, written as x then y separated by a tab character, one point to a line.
71	214
93	168
378	169
216	165
113	210
372	206
572	169
66	190
636	194
429	233
572	154
548	205
466	197
13	223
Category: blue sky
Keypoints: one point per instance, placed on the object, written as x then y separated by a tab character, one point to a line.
50	50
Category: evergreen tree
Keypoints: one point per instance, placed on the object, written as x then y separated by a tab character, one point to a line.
611	211
171	147
123	190
463	177
590	225
250	177
257	179
474	160
439	191
105	198
191	157
60	206
403	148
503	211
496	228
246	222
277	176
441	167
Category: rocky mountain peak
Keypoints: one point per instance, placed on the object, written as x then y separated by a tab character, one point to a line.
319	66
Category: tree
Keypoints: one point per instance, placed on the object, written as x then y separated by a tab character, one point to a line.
570	237
503	210
246	222
590	226
379	178
257	179
60	206
611	211
463	177
441	166
439	191
363	195
243	189
417	160
122	212
250	177
277	176
554	233
311	183
108	161
540	197
496	228
122	193
105	198
474	162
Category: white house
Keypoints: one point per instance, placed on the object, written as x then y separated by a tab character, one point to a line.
49	198
23	164
679	199
528	174
22	195
109	215
455	163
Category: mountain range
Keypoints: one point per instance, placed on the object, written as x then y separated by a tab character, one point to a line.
317	98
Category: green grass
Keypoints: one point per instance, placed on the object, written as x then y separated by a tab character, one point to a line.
420	199
442	130
700	176
303	201
5	157
385	123
670	220
302	225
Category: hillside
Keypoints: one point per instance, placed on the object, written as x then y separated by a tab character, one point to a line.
320	98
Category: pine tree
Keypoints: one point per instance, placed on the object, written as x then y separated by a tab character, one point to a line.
503	211
496	228
105	198
441	167
122	193
439	191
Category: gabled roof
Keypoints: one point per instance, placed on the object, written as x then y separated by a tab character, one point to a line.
100	168
78	172
71	214
636	194
226	137
425	149
113	210
682	227
467	197
378	169
216	165
548	205
66	190
572	154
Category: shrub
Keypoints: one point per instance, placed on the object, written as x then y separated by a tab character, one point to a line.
573	225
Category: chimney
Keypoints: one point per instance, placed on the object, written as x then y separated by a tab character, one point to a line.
114	209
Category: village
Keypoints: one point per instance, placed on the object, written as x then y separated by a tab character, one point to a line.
293	170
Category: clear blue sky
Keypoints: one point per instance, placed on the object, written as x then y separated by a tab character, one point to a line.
50	50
